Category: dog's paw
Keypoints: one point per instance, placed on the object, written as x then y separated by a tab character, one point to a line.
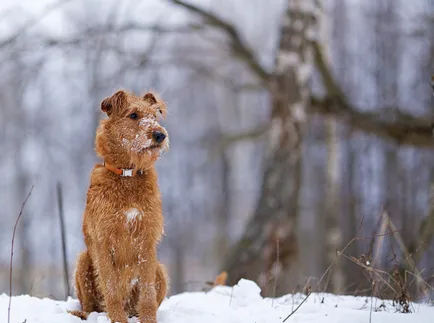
82	315
148	320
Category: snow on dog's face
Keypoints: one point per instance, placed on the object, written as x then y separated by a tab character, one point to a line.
132	135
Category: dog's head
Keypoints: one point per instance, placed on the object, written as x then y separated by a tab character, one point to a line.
132	137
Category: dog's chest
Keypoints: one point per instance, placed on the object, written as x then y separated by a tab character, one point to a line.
135	207
144	221
125	209
133	218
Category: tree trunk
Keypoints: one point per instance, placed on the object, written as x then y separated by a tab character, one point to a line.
178	269
268	252
330	216
223	217
354	274
333	238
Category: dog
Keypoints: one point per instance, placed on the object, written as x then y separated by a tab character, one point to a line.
119	273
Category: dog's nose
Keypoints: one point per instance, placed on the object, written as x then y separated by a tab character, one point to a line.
158	137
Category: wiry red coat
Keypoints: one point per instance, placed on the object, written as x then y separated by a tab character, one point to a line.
123	222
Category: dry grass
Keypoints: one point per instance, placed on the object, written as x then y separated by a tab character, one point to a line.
402	282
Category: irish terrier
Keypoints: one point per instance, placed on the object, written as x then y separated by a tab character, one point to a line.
119	272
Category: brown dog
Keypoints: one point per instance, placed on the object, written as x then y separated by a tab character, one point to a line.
119	272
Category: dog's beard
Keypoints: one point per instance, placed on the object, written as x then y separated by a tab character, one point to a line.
145	158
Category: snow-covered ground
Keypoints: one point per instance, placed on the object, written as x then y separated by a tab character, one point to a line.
240	304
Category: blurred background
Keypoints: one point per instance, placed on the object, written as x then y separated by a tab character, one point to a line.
301	137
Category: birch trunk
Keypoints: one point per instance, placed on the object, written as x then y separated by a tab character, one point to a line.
333	241
333	233
268	250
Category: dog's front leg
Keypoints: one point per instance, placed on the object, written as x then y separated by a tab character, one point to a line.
147	305
113	287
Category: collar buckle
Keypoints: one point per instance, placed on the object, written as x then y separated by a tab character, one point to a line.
127	172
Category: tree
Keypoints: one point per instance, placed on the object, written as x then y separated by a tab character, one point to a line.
268	248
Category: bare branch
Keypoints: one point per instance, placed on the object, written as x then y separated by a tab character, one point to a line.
258	131
333	89
30	23
229	140
213	74
160	29
411	263
425	233
86	34
241	50
12	253
304	300
402	128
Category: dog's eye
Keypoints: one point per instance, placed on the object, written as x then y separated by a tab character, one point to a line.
133	115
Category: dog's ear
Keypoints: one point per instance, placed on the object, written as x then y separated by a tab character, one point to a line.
156	103
116	101
150	98
106	106
119	99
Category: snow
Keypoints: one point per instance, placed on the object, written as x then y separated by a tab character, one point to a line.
134	281
239	304
141	142
132	214
125	142
148	122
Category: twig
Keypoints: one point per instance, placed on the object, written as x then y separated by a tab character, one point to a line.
370	270
341	253
297	307
408	257
232	294
338	254
63	239
12	253
376	257
372	301
419	276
